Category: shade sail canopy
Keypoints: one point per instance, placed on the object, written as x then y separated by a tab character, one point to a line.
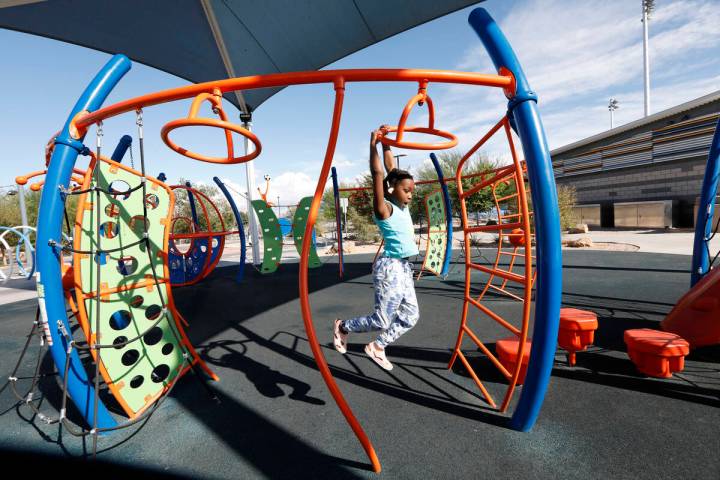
203	40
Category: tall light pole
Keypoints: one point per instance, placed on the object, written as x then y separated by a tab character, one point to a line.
647	7
397	159
612	106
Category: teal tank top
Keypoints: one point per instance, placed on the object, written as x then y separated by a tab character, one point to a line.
398	232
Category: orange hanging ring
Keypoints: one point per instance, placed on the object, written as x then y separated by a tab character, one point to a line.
419	99
193	120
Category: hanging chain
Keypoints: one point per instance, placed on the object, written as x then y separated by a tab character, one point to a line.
132	160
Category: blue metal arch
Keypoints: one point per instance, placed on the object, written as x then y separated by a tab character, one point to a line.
706	210
241	230
49	230
336	196
523	110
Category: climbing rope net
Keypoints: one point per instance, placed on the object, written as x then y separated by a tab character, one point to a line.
117	290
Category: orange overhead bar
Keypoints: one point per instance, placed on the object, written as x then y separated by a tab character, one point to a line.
295	78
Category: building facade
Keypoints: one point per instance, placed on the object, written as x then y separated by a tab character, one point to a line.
637	173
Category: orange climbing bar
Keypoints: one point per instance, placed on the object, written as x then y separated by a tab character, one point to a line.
512	173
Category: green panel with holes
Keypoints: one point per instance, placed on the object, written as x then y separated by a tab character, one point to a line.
139	371
272	238
437	232
298	226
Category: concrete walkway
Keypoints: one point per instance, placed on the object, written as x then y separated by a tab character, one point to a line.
675	241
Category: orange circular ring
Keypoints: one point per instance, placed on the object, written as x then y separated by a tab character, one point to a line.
452	139
210	122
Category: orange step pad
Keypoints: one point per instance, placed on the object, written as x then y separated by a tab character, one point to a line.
507	349
696	317
577	330
656	353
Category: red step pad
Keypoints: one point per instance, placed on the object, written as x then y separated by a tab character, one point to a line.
577	330
656	353
507	349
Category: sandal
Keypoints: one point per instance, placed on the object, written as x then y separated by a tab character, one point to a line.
339	338
378	356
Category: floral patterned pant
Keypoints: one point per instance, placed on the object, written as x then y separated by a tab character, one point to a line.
396	307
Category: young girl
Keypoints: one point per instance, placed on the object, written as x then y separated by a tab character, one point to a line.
396	307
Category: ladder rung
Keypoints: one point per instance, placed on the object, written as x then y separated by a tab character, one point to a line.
486	351
494	315
505	172
500	273
475	378
494	228
507	197
502	290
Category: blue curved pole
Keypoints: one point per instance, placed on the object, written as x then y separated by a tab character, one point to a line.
706	209
193	209
336	195
241	230
49	231
448	214
522	110
121	148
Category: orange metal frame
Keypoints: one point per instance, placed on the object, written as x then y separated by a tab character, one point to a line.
338	78
513	172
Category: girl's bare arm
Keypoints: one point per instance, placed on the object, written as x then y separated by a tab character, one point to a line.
378	178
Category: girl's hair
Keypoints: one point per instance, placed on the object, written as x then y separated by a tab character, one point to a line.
395	175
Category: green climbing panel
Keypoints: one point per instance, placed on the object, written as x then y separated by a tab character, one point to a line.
272	238
299	224
437	233
139	372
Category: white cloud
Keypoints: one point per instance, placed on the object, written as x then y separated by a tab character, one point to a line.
291	187
577	55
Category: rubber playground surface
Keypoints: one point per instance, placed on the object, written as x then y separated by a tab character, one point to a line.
276	419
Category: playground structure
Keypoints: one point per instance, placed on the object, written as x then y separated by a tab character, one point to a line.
195	262
274	230
116	260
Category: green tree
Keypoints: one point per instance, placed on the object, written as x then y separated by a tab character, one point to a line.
482	201
183	209
567	197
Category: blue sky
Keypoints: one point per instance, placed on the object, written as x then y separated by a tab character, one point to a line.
576	55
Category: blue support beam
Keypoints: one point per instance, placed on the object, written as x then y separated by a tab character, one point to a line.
336	195
49	231
706	210
241	230
522	110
